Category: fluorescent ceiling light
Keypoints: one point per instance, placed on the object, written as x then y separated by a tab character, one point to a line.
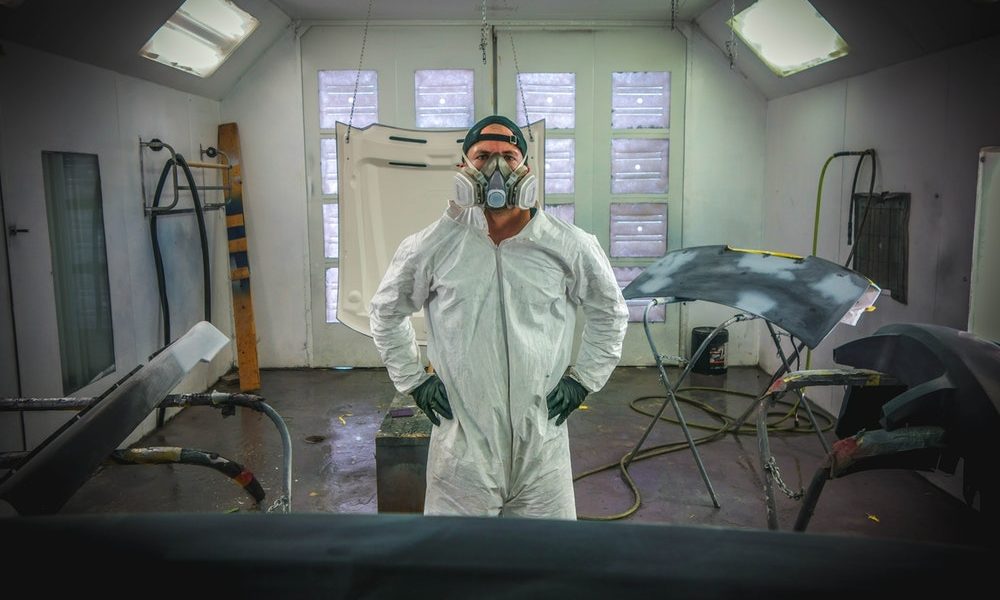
788	35
200	36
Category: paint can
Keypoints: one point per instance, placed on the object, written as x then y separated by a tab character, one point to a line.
713	360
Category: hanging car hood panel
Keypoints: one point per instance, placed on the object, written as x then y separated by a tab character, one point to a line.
392	183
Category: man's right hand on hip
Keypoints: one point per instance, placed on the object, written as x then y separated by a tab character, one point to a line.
432	398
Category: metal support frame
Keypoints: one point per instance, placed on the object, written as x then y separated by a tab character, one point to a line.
672	391
795	381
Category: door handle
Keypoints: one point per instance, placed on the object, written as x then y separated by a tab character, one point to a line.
13	230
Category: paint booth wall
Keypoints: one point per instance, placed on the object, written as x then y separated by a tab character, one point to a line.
723	180
927	119
50	103
267	106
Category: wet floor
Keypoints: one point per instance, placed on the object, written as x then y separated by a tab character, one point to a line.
333	415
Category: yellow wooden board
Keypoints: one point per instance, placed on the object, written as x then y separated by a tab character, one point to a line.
239	262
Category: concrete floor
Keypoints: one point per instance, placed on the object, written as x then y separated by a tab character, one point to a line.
333	416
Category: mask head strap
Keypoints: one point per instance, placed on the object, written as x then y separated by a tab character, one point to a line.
475	134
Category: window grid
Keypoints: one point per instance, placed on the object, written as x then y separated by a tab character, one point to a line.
638	230
336	97
444	98
640	100
331	231
549	96
560	165
328	165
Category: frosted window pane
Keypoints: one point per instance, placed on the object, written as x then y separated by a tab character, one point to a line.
638	230
657	314
444	98
563	212
560	157
639	166
640	99
336	95
332	280
75	211
328	163
331	230
549	96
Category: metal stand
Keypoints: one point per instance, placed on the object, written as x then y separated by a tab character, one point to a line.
672	390
795	381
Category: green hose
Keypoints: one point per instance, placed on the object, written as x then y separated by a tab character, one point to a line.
725	426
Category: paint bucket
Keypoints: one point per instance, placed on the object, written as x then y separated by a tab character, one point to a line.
713	360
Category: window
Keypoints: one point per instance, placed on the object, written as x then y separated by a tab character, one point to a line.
336	99
328	164
444	98
638	230
200	36
79	267
640	100
332	278
639	166
560	158
549	96
331	230
563	212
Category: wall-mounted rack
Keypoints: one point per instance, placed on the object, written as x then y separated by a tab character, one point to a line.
176	161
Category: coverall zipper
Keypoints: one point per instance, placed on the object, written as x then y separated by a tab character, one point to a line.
506	344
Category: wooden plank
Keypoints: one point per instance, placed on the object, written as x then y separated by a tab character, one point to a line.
246	331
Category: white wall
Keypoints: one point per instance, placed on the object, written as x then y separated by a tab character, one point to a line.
266	104
927	120
723	177
52	103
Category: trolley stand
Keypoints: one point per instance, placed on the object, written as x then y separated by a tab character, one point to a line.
786	367
795	381
672	390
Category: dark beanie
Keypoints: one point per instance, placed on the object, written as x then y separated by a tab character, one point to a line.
476	134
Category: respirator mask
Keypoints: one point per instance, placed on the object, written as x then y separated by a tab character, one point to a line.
496	185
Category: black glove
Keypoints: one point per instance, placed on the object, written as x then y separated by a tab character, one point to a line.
565	398
431	397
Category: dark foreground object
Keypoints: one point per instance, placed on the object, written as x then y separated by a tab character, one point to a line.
395	556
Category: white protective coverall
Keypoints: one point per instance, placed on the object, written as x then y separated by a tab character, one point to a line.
500	322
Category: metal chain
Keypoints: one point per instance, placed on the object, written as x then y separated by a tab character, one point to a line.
772	466
483	34
357	77
673	13
524	103
731	44
280	505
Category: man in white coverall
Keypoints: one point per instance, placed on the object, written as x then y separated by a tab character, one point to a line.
500	282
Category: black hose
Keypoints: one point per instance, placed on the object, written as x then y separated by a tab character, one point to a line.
203	233
199	212
864	217
161	283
